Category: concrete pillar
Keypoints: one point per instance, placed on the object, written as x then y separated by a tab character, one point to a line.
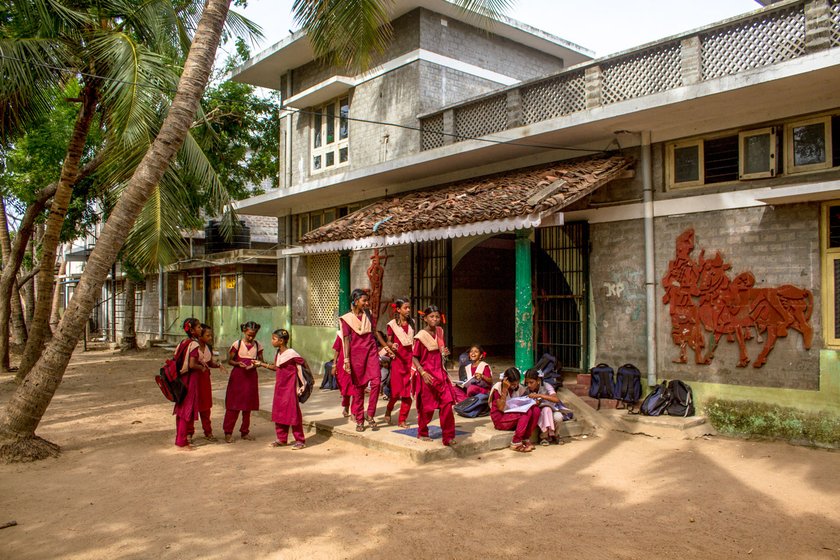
343	282
817	25
513	109
690	61
449	127
524	344
593	79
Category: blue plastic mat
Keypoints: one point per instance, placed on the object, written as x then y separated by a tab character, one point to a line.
434	432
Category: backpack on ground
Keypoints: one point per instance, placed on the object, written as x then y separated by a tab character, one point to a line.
682	399
628	384
169	378
657	401
546	368
601	384
310	382
330	382
473	407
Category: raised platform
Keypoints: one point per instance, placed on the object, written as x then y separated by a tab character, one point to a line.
322	413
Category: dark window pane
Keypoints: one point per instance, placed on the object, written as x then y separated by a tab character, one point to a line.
317	122
330	158
809	144
686	164
343	122
342	155
315	221
316	162
720	160
330	123
757	153
834	227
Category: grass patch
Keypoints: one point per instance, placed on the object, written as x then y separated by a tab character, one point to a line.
754	419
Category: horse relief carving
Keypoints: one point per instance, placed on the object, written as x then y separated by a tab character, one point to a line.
703	298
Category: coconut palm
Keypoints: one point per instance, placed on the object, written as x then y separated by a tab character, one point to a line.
326	19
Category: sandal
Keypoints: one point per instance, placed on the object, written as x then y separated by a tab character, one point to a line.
345	413
248	437
388	419
528	446
403	425
372	423
298	446
360	427
278	444
424	438
545	442
452	443
519	447
229	438
211	437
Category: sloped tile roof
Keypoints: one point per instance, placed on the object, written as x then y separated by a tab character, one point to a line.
522	192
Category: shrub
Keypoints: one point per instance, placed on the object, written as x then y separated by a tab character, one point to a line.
754	419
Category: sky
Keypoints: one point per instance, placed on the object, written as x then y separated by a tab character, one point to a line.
605	26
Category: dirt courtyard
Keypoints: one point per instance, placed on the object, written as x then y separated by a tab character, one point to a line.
120	489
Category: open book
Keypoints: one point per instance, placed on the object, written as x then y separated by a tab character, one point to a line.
519	404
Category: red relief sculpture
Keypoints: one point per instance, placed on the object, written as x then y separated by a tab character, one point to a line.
375	272
702	294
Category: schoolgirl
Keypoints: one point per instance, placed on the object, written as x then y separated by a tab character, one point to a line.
204	398
288	385
185	411
522	423
243	391
552	411
345	387
361	358
400	335
479	373
431	385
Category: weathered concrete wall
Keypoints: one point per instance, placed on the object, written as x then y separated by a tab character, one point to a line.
395	283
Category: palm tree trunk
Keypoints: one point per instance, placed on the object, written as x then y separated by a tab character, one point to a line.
27	405
39	326
19	328
129	337
55	315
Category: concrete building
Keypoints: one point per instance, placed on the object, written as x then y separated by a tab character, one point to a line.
671	195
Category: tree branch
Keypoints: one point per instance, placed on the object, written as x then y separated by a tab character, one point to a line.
27	277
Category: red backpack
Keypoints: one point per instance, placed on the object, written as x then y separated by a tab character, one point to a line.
169	378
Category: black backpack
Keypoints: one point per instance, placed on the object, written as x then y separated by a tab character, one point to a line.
628	384
681	402
329	383
601	385
473	407
546	370
657	401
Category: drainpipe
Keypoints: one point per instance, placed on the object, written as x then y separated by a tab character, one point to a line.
288	274
161	302
524	339
650	273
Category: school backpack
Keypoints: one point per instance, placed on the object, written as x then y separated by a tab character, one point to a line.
546	369
601	385
310	382
681	401
169	378
473	407
628	384
657	401
330	382
463	361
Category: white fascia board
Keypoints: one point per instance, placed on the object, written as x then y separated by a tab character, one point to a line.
319	93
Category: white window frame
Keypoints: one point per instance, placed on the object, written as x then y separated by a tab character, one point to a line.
829	291
789	159
672	147
333	148
742	156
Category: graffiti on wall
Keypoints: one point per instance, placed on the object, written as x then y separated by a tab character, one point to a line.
703	298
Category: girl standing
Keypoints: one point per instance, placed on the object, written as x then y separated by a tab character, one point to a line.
243	392
204	400
361	358
431	384
345	387
523	423
288	386
401	342
479	373
185	411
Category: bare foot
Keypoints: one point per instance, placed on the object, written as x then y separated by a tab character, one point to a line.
424	438
188	447
403	424
388	419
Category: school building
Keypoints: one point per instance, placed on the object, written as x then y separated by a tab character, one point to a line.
676	205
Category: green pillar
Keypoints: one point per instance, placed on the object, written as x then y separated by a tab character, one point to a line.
343	282
524	345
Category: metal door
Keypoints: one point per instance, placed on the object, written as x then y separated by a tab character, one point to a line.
431	279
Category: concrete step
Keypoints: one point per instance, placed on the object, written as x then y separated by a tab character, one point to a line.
579	390
584	379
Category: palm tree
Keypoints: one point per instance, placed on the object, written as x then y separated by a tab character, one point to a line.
27	405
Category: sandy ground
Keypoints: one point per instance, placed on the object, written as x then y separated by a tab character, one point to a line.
121	490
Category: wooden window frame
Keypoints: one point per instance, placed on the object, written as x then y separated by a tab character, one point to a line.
828	257
670	161
742	175
790	167
334	148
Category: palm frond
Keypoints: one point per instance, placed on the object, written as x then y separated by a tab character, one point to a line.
240	26
346	32
492	9
194	162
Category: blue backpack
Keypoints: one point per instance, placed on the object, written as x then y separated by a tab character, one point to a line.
657	401
628	384
601	385
473	407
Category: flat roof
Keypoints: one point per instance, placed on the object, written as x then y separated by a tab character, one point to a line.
267	67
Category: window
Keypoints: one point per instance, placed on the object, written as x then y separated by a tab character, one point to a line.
808	145
830	242
757	153
330	134
308	221
686	163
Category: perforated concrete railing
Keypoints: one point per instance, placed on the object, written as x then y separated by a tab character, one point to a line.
555	97
651	71
433	132
835	23
482	117
322	273
775	35
765	39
